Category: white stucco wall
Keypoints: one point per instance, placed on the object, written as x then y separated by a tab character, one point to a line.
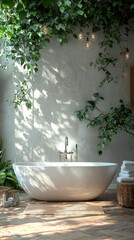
62	84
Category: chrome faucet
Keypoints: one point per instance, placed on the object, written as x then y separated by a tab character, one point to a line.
65	153
76	153
66	144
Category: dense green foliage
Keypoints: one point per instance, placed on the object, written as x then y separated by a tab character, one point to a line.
22	36
28	26
7	175
117	119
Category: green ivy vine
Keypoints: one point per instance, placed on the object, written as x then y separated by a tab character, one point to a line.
28	26
22	35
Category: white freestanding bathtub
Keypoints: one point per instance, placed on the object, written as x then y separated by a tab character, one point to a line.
64	181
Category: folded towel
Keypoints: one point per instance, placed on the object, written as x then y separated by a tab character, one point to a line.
126	163
127	168
125	180
127	172
126	175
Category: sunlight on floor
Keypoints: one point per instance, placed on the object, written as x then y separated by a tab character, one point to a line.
117	223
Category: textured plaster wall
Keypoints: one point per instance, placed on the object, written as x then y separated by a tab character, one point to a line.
64	81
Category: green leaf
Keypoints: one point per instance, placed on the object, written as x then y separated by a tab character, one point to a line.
46	3
132	6
40	34
96	95
17	26
36	69
115	3
99	152
62	9
2	178
59	40
9	34
68	3
34	27
57	27
22	14
23	2
86	116
80	12
29	105
60	26
92	123
9	183
79	5
59	3
91	64
2	31
9	3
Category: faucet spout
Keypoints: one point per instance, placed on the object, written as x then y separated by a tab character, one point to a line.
66	144
76	156
65	154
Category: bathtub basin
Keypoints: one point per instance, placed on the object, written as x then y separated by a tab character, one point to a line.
64	181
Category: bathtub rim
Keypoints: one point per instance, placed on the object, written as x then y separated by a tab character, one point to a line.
64	164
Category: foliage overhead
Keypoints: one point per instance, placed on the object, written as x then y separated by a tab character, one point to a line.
28	26
22	31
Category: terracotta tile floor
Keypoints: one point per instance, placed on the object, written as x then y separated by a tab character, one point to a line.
116	223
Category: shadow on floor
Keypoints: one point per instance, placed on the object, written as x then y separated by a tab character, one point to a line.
117	223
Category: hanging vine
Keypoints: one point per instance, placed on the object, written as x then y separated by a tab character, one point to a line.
27	27
22	31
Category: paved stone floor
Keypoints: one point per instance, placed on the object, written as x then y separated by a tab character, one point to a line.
116	223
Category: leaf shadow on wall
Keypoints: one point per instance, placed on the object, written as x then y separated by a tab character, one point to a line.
57	89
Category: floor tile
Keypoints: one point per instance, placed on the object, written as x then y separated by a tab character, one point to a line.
116	223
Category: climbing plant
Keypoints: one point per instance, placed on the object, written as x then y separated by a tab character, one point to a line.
109	124
28	26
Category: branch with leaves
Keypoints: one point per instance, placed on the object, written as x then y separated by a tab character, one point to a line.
103	63
109	124
22	31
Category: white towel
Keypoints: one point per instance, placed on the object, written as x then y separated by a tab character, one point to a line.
128	163
127	168
126	175
127	172
125	180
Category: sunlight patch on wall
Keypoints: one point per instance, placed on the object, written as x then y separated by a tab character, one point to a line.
51	50
56	69
69	102
55	128
45	94
64	116
20	68
27	116
62	74
37	93
48	75
18	146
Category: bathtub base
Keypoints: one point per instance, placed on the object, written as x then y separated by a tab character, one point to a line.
69	181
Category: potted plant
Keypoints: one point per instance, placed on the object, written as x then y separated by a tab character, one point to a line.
7	175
